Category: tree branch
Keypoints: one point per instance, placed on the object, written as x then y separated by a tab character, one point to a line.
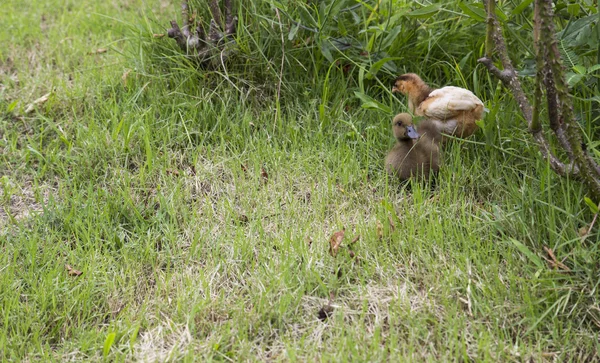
508	77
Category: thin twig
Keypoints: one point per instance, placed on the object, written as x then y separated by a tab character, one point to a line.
554	261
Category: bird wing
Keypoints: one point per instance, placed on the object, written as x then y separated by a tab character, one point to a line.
446	102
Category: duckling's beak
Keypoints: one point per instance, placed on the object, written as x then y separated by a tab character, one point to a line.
411	132
395	89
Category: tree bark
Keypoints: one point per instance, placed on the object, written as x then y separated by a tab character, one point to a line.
549	76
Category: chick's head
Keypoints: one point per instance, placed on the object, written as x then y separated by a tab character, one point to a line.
403	127
407	83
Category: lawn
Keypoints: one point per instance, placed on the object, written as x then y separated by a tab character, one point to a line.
194	207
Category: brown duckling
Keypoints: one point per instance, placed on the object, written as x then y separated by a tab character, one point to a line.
415	153
454	109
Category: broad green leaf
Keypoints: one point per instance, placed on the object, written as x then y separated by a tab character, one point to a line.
464	60
573	9
325	51
370	103
355	18
522	6
473	12
573	78
389	39
278	5
294	31
377	66
110	339
579	69
593	68
593	206
425	12
307	18
583	37
12	106
574	28
527	252
499	13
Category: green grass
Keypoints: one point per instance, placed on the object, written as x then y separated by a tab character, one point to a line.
152	186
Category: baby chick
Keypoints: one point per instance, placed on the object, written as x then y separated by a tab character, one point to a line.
416	153
453	110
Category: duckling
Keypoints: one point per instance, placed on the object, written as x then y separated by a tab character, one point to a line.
414	154
454	109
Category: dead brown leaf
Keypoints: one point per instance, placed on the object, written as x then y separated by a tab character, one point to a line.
72	272
265	176
583	231
392	225
554	261
172	172
335	241
37	102
124	77
379	230
327	310
158	35
243	219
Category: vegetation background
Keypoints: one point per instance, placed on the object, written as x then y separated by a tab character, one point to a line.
197	203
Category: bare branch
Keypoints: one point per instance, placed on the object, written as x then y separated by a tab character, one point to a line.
175	33
215	10
214	35
508	77
185	18
229	18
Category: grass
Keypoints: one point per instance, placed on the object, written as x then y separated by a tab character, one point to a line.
200	220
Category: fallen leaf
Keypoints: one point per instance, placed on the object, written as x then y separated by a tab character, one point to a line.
172	172
158	35
379	230
335	241
124	76
72	271
99	51
392	225
351	253
265	176
583	231
325	312
39	101
307	197
243	218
